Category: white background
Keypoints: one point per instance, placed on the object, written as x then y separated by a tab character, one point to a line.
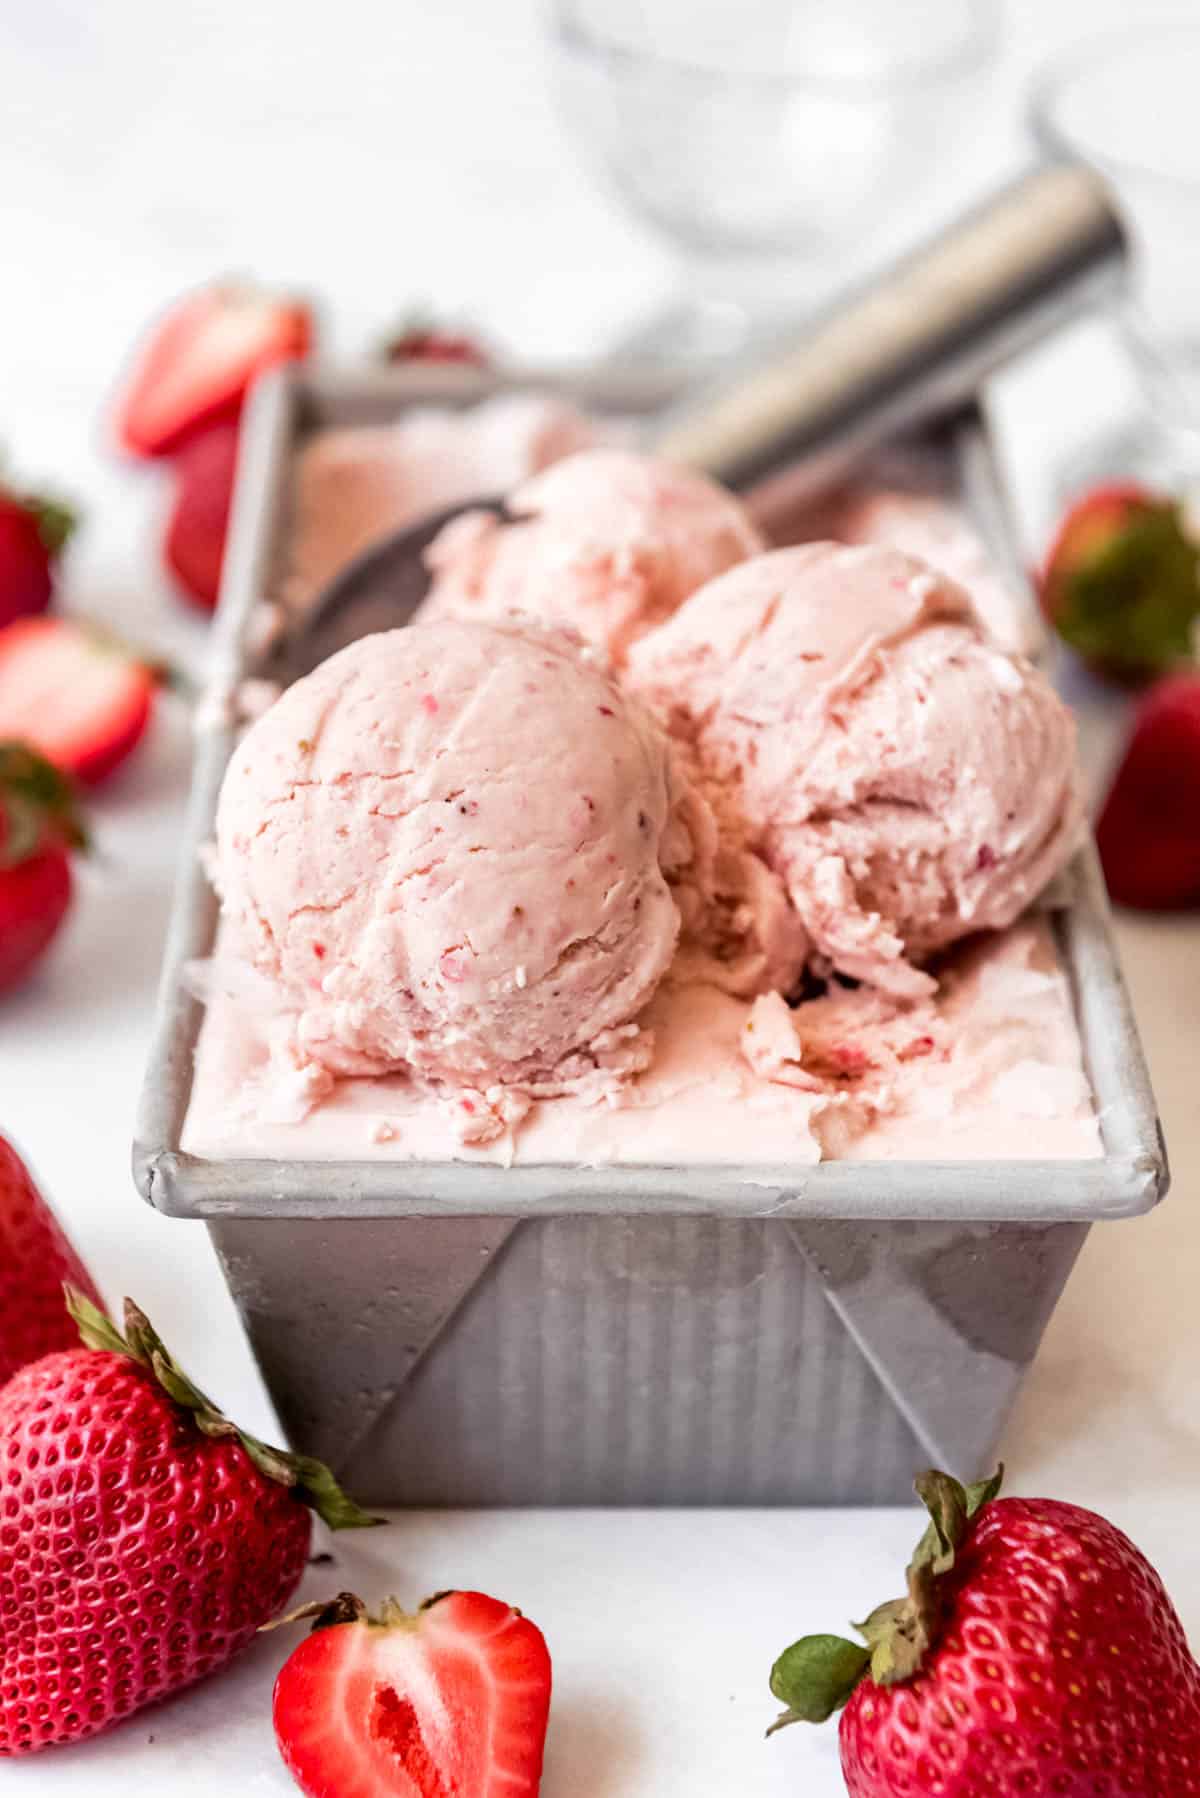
376	154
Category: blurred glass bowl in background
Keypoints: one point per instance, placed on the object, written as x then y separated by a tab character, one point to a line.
1128	104
763	138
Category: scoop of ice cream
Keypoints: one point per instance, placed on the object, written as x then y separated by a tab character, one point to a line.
608	542
909	781
353	486
446	848
931	528
903	502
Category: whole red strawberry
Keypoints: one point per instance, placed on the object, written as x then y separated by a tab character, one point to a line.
36	1259
1036	1652
38	828
146	1538
194	545
1148	832
32	534
419	339
453	1700
1121	581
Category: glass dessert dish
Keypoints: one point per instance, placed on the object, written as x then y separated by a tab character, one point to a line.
762	141
1125	103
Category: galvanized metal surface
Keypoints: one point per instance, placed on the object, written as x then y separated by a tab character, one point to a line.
446	1333
642	1360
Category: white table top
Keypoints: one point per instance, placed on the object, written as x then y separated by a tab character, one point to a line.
128	132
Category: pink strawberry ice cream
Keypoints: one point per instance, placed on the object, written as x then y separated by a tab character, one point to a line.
907	780
445	849
479	904
903	501
988	1067
608	542
352	486
929	527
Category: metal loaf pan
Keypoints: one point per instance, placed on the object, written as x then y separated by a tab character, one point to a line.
454	1333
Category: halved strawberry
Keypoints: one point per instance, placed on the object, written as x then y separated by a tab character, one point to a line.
194	545
452	1701
1149	829
81	699
38	826
200	359
1121	582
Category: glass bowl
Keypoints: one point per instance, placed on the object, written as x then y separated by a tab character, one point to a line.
763	139
1127	104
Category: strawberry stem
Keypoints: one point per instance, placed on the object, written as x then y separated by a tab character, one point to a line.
56	522
347	1607
324	1612
1130	601
816	1675
37	801
310	1480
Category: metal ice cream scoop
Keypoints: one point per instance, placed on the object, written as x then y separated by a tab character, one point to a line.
913	343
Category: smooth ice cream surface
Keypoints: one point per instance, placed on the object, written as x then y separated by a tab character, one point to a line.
989	1068
907	780
445	850
608	542
352	486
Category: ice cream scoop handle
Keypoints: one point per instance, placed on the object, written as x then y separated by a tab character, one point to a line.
916	341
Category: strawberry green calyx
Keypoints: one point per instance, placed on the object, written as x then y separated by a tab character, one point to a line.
816	1676
323	1613
901	1633
1126	594
56	522
310	1480
37	801
347	1607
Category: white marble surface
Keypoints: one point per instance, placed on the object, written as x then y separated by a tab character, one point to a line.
145	147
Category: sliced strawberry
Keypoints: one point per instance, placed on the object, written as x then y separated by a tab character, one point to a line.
1121	583
194	545
200	359
32	534
38	824
80	698
449	1702
1149	829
